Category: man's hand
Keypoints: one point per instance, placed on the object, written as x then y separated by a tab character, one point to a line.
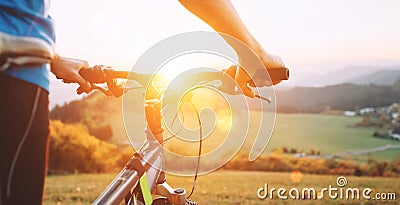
67	69
260	78
271	62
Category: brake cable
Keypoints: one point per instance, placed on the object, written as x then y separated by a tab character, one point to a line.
200	148
174	135
200	141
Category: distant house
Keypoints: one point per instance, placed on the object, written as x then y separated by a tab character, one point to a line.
367	110
394	133
350	113
395	115
299	155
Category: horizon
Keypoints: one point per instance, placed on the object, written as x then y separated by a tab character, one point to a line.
68	94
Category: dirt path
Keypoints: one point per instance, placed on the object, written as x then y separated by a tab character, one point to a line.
363	151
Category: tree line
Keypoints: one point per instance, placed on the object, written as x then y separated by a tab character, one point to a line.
286	163
338	97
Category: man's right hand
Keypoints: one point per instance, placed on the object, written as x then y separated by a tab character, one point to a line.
275	68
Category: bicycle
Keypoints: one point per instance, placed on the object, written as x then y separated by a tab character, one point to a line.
142	176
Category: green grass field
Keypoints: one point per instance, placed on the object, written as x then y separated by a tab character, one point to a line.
221	187
328	134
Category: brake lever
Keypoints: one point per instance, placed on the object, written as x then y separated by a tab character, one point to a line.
267	99
105	91
100	74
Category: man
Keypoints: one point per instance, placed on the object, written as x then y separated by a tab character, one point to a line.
26	51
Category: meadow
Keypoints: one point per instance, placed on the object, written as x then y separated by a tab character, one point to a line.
328	134
222	187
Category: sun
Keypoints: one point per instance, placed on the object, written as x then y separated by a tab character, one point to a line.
171	74
192	62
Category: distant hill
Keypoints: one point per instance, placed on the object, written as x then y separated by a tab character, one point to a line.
382	77
344	74
339	97
308	75
98	111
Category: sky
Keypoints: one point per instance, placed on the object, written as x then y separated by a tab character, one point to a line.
302	32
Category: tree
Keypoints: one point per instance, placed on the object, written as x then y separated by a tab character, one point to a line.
73	149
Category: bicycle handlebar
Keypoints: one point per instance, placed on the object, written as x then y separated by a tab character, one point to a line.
279	74
103	74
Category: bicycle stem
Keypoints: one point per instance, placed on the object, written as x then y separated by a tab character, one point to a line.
152	110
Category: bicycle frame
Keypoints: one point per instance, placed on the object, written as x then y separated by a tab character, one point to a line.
149	159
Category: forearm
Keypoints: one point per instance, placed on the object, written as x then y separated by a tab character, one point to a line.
222	17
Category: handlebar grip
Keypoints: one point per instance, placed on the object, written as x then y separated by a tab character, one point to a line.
279	74
94	75
101	74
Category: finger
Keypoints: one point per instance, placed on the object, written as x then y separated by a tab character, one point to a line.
278	60
248	92
81	90
252	84
85	63
231	71
67	81
84	85
276	82
260	83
